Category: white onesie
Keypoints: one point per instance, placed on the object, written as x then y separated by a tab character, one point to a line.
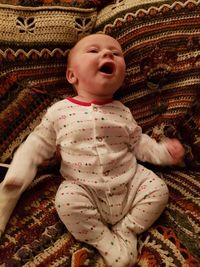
106	193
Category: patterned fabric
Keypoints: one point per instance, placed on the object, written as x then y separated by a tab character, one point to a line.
189	130
33	47
68	3
36	237
28	25
161	41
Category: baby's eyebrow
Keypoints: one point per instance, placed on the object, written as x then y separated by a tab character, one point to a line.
92	45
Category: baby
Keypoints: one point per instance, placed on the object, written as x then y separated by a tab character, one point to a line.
107	198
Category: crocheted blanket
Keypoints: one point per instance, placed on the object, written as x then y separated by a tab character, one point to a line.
161	42
36	237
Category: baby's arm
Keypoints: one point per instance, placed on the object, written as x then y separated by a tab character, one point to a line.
26	160
167	152
39	145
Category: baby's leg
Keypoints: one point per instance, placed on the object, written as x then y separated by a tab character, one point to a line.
80	215
150	201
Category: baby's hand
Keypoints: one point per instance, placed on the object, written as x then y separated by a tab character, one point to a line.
175	149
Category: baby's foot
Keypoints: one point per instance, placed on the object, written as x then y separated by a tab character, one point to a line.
129	239
118	254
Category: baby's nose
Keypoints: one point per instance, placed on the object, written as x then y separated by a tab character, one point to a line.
107	53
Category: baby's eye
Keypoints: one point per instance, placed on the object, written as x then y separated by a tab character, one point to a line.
117	53
93	50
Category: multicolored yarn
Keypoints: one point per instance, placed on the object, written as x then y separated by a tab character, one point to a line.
33	47
161	40
36	237
49	3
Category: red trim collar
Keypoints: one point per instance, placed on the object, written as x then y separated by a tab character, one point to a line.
81	103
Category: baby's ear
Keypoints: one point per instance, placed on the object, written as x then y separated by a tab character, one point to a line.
70	76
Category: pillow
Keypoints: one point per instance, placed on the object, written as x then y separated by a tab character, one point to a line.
34	42
161	43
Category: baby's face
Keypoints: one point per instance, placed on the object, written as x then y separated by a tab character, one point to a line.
96	67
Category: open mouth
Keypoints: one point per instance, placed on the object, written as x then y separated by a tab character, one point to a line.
107	68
